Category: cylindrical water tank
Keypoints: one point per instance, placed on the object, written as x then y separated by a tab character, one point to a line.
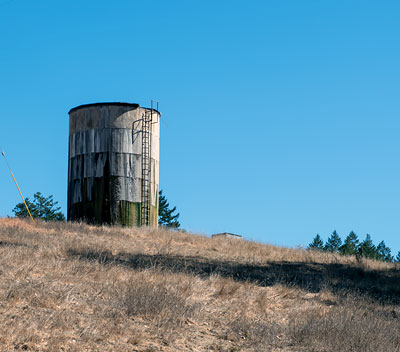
105	169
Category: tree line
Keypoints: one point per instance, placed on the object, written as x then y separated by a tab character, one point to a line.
353	246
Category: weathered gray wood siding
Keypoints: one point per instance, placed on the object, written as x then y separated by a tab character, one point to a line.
104	166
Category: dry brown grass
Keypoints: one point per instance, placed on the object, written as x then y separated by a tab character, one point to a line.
75	287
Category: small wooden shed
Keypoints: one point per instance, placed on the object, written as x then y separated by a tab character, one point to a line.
227	235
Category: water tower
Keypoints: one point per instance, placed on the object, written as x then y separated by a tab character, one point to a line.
113	164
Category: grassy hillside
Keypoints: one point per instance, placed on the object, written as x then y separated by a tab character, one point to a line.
74	287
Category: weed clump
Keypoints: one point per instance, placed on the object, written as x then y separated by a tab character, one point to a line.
165	304
357	326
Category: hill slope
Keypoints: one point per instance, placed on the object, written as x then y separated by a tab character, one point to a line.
76	287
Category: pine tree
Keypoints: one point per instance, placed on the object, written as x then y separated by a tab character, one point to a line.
398	257
41	207
334	242
350	244
383	252
367	249
166	216
317	243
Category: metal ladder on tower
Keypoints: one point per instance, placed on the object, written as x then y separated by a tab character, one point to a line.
146	167
145	131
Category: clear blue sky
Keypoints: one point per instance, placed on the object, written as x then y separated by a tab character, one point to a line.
280	118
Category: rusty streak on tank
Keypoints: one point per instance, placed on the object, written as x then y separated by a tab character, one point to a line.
105	164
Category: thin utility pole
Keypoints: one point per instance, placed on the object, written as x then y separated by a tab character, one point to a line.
16	183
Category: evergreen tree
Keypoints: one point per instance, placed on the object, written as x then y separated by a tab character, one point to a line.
383	252
334	242
41	207
398	257
350	244
166	216
367	249
317	243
